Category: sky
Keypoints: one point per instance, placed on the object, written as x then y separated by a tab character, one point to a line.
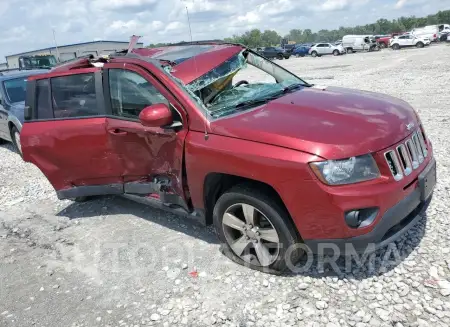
27	25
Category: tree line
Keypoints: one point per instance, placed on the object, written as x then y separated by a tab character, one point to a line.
258	38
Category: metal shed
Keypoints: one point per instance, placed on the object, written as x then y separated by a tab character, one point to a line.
71	51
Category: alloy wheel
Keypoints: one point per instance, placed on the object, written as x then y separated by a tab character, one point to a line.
250	234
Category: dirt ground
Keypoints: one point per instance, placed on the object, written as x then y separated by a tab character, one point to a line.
112	262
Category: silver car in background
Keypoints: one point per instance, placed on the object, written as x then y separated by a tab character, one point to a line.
12	104
320	49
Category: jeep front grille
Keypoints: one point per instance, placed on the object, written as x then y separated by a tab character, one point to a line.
407	156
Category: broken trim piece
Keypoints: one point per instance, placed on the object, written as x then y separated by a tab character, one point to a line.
77	191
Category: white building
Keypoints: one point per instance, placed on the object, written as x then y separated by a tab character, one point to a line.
71	51
3	65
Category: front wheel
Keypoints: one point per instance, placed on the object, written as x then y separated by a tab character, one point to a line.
255	230
349	50
419	45
314	54
280	57
382	45
335	53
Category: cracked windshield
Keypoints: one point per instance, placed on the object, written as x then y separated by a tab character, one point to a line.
242	82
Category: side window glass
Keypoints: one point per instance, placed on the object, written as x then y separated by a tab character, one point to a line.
74	96
43	106
130	93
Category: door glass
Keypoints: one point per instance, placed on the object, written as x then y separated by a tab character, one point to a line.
74	96
43	106
130	93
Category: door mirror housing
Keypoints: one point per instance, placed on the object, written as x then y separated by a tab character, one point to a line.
156	115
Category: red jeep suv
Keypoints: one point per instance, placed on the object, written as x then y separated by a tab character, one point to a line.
222	135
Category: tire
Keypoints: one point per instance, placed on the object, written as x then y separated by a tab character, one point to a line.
15	136
382	45
267	214
396	46
335	53
420	45
314	54
280	57
349	50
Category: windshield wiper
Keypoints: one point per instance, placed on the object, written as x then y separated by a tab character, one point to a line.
253	102
292	87
287	89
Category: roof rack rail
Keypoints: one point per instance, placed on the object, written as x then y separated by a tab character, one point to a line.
76	63
89	56
198	42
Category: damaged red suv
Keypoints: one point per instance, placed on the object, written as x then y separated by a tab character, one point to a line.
220	134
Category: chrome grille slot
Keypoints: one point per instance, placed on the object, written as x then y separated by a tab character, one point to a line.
394	164
413	153
421	138
404	159
408	156
416	143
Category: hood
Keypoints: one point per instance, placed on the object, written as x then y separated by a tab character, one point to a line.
333	122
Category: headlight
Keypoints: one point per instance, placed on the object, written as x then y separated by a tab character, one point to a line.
346	171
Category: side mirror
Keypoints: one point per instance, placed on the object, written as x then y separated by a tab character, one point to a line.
156	115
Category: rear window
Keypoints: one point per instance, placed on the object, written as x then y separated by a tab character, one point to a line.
74	96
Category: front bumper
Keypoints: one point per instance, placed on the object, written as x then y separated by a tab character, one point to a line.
395	222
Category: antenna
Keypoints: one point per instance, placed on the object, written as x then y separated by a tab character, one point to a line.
195	64
56	45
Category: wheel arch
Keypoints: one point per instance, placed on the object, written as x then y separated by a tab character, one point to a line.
216	184
13	123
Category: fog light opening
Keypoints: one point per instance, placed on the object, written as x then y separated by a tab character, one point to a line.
359	218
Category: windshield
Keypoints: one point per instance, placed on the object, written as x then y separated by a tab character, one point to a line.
15	89
241	82
40	62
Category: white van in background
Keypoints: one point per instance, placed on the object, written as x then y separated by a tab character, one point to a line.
352	43
430	31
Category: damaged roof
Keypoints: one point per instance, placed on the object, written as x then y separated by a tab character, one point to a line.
191	61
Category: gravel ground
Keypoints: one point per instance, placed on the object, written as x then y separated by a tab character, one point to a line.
111	262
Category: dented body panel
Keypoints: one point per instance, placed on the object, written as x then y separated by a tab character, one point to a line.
192	67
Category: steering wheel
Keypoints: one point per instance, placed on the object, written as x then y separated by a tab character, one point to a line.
240	83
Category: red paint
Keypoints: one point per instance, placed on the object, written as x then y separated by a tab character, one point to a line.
72	152
194	67
325	123
272	143
189	70
156	115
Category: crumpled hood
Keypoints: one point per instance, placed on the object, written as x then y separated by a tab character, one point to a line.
333	123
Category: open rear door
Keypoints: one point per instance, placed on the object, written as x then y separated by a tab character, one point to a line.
65	136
